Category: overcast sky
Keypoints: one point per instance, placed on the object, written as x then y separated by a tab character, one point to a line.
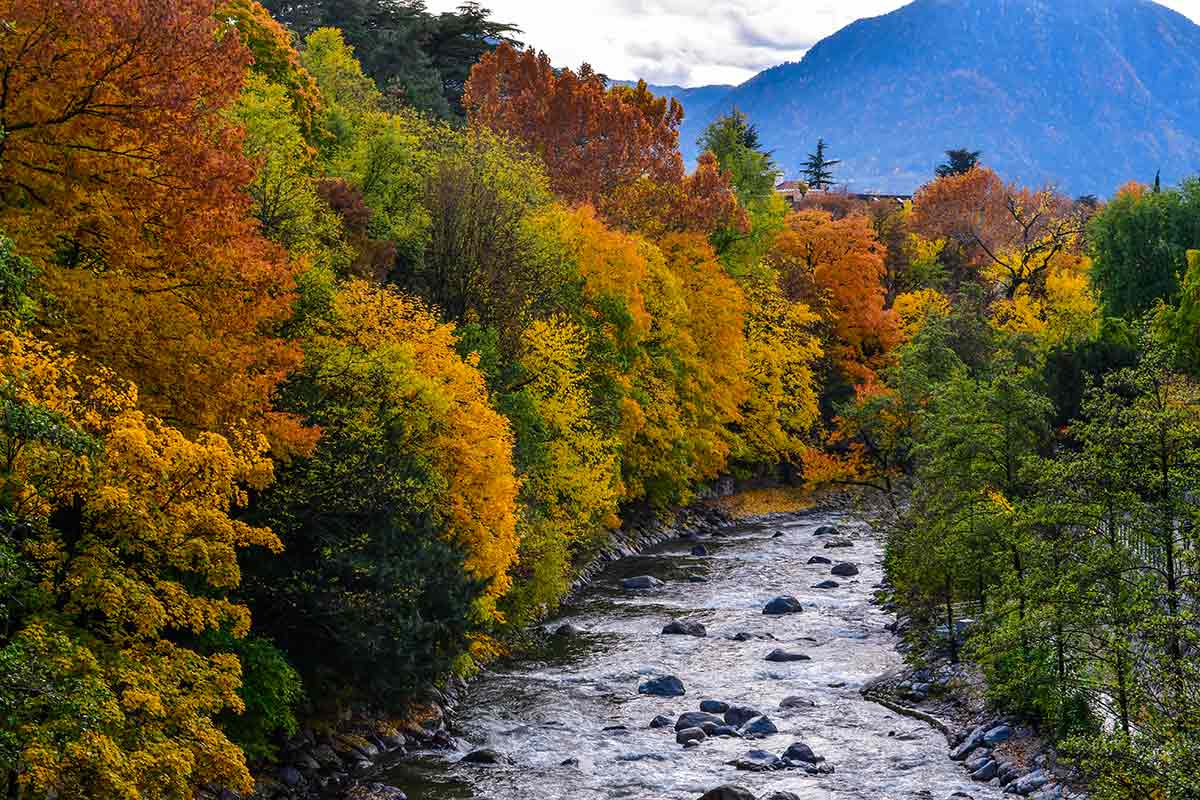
687	42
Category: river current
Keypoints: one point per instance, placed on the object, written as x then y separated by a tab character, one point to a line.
553	706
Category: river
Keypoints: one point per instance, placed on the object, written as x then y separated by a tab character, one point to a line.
553	706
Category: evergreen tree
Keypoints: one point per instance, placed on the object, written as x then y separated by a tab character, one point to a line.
818	170
958	162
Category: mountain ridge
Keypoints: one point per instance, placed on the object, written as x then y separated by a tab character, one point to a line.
1084	94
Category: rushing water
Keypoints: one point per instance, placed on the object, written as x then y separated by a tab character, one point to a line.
554	705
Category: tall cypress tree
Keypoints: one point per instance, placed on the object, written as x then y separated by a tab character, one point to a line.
818	170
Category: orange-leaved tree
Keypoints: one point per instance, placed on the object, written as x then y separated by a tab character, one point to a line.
836	267
122	177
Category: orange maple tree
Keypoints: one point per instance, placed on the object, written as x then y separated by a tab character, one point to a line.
122	176
836	267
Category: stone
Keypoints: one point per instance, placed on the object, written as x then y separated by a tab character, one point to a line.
681	628
781	796
985	772
777	535
783	605
780	656
692	743
759	726
666	686
819	560
998	734
567	631
713	706
697	579
699	550
611	728
726	731
968	745
690	735
1028	784
484	755
326	757
827	585
305	761
728	792
737	716
795	701
709	728
844	569
290	776
757	761
641	582
696	719
569	762
826	530
660	722
833	543
799	751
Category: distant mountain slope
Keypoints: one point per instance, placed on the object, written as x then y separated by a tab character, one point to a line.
1084	93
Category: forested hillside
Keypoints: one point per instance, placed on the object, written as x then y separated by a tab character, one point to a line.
312	398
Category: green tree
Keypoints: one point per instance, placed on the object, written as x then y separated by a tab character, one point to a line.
958	162
818	170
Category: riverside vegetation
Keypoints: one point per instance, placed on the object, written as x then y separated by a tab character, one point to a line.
319	382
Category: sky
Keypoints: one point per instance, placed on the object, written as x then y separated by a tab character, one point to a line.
687	42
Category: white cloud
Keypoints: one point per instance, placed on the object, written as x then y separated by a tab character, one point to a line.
688	42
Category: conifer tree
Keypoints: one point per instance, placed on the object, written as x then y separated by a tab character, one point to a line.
818	170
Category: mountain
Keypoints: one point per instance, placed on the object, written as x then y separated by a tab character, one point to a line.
1087	94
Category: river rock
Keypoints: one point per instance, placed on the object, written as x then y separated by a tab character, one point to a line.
783	605
844	569
727	731
795	701
819	560
757	761
641	582
1028	784
782	656
737	716
985	771
827	585
291	777
781	796
777	535
834	543
713	706
681	628
697	579
666	686
826	530
696	719
567	631
690	735
799	751
998	734
326	757
699	550
969	744
728	792
660	722
759	726
484	755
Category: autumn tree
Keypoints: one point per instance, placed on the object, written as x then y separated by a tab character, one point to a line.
593	140
123	179
1014	236
836	267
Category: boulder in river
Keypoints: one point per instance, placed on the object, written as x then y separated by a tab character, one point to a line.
728	792
660	722
844	569
690	735
833	543
726	731
666	686
826	530
799	751
777	535
1028	784
781	656
757	761
819	560
714	706
484	755
985	771
699	550
697	579
681	628
737	716
759	726
641	582
998	734
781	796
696	719
827	585
784	604
567	631
795	701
